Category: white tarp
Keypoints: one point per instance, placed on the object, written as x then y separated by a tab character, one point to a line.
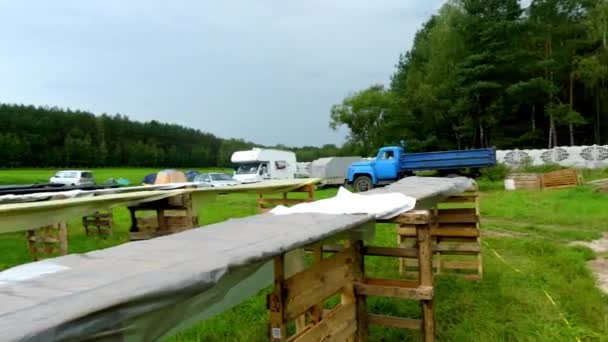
381	206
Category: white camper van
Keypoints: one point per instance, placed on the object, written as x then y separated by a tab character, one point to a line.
261	164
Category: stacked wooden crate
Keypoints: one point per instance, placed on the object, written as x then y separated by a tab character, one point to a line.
166	216
49	241
98	223
456	238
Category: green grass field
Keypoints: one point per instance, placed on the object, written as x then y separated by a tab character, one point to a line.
526	260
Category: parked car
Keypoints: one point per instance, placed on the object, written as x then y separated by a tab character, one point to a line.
215	180
73	177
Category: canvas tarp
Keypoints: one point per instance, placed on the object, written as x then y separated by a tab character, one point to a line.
142	291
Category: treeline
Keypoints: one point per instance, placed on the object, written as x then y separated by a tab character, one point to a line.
53	137
491	73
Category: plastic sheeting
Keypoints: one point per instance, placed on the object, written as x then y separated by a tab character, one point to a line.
427	191
381	206
147	290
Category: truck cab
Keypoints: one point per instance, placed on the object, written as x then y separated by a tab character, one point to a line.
384	169
392	163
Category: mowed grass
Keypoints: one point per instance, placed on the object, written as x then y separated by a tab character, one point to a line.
535	286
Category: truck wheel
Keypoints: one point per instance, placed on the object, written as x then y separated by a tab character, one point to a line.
362	184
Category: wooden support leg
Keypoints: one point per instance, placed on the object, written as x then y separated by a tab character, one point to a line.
362	333
278	328
425	276
400	241
316	313
63	238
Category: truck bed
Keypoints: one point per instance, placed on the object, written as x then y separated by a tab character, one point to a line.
448	160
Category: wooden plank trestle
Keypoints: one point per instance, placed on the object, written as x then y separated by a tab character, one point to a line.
456	237
49	241
301	297
98	223
169	215
266	203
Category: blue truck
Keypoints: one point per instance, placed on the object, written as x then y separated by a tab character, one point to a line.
392	164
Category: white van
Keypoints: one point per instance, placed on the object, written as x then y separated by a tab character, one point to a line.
261	164
73	177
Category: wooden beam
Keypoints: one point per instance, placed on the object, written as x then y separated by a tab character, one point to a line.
417	293
413	217
338	325
425	276
276	307
395	322
391	251
458	218
390	282
362	333
455	232
461	248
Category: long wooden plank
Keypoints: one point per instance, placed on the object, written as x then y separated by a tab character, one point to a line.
406	231
395	322
392	282
418	293
455	232
275	304
447	230
337	325
459	265
458	218
461	248
460	199
412	217
391	251
317	283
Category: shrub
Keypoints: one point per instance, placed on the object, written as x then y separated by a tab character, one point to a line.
496	173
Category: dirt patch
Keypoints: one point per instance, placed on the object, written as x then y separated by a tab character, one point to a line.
598	246
599	267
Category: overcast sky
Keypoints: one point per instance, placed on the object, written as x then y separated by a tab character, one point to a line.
263	70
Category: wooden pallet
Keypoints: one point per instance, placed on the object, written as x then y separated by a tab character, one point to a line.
47	242
266	203
163	217
99	223
456	238
560	179
530	181
301	297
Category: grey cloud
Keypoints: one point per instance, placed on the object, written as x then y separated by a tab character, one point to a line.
267	71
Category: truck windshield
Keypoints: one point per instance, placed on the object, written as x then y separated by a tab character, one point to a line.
244	169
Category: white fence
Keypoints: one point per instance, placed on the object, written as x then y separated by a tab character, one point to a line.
588	157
